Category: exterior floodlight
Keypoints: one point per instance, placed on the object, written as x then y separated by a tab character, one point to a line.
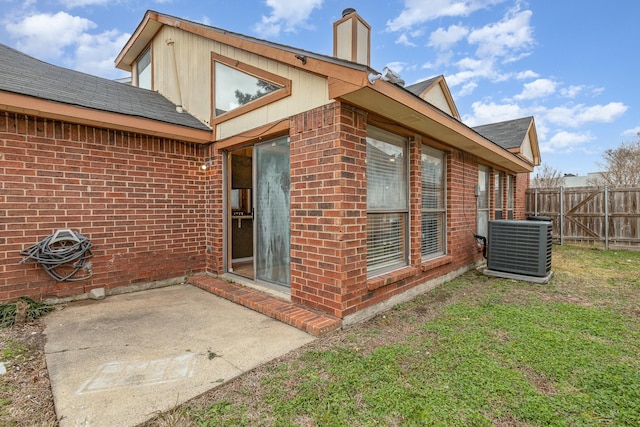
388	75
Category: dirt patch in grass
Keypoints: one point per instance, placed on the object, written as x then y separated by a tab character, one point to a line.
25	391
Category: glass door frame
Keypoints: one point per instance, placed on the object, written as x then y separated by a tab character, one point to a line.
258	217
228	223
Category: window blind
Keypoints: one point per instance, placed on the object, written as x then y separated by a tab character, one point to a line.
387	201
433	202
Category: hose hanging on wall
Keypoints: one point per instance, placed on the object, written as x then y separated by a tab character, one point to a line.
61	255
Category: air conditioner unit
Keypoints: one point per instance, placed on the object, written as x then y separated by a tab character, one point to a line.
520	247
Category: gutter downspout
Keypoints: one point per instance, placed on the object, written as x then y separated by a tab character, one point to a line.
171	45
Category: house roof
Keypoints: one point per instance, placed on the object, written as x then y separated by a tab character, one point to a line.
427	90
419	88
24	75
508	134
512	135
153	22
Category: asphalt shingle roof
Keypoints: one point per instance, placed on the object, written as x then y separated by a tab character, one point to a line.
418	88
25	75
508	134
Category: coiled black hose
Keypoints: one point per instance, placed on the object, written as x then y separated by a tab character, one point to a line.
61	255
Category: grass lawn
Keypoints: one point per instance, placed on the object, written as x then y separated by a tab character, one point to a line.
475	351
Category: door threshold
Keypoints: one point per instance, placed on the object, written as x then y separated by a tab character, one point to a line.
268	288
296	315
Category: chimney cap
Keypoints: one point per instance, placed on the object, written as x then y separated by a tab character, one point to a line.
348	11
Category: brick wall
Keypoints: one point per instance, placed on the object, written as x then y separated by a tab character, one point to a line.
328	215
139	199
214	211
328	207
520	201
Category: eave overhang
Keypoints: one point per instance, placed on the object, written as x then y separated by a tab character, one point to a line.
535	145
28	105
392	102
141	37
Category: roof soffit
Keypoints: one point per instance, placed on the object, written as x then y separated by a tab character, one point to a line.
140	39
390	101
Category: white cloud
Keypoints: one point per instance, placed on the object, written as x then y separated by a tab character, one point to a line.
96	54
403	39
65	39
632	132
444	39
286	16
491	113
578	115
537	89
524	75
444	58
510	35
571	91
47	35
81	3
565	142
468	89
417	12
473	69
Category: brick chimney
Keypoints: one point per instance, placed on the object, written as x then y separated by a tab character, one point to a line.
352	38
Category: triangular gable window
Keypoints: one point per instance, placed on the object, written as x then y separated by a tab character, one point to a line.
235	88
240	87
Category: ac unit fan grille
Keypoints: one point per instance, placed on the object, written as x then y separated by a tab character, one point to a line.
520	247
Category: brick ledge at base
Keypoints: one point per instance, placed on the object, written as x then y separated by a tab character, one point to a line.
295	315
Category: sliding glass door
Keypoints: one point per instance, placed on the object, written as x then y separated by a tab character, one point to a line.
271	198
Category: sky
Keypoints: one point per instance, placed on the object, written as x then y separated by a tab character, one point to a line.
572	64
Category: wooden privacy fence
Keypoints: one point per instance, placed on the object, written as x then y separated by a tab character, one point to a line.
599	216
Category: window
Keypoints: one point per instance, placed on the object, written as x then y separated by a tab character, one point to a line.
239	87
483	201
235	89
511	190
387	201
144	70
433	203
498	187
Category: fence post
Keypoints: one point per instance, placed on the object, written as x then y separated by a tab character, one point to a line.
535	202
606	217
561	216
